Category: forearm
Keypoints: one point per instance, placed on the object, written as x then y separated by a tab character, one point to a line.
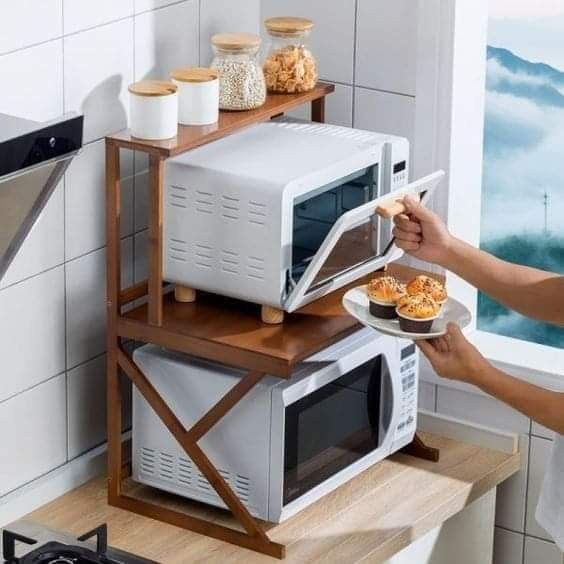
542	405
532	292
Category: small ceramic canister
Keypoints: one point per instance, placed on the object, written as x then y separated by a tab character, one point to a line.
153	109
198	95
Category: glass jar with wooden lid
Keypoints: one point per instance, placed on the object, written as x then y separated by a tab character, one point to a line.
153	108
289	66
241	80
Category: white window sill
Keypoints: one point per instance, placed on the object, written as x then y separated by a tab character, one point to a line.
537	364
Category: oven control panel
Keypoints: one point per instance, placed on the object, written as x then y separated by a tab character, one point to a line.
408	398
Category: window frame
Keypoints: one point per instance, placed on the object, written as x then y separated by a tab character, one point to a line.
450	109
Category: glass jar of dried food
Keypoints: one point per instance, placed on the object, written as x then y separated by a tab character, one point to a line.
241	80
289	66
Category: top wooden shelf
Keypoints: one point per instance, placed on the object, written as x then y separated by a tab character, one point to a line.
190	137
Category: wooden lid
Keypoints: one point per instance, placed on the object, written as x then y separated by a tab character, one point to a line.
288	25
194	74
235	41
153	88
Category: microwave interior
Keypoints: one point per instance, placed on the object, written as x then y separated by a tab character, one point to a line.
315	215
336	425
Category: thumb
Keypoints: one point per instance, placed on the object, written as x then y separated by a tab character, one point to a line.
416	209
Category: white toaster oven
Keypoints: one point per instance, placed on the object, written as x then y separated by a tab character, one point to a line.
288	442
282	212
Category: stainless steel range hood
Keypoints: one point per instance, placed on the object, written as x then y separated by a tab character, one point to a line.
33	158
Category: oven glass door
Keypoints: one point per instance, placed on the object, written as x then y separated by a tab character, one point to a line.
336	425
351	249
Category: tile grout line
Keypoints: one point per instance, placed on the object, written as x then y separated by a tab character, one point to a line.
527	476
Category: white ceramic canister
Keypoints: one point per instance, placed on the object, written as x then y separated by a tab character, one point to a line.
153	109
198	95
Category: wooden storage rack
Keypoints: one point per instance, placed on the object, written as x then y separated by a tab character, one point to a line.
213	328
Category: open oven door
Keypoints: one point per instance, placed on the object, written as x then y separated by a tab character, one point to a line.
353	247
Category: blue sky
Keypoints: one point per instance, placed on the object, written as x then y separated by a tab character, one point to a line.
531	29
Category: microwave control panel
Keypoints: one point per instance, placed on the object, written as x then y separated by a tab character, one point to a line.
408	399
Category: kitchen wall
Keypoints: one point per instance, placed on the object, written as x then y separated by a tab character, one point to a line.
372	50
58	56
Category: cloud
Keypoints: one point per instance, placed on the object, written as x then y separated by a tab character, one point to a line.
520	9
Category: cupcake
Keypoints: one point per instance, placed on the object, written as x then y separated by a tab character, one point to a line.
417	312
383	295
428	286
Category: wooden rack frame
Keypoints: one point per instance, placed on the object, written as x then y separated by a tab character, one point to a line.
193	328
150	329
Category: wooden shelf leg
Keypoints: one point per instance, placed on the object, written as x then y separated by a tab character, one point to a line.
184	294
271	315
113	282
318	110
419	449
156	175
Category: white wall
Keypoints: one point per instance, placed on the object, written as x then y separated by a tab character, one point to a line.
58	56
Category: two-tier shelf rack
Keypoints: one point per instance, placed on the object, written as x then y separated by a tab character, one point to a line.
213	328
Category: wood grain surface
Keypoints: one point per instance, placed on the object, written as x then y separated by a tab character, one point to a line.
370	518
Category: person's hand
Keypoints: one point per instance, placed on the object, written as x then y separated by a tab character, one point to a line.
452	356
422	233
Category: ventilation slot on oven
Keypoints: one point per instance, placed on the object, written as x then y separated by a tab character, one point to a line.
242	487
203	484
185	471
148	461
178	196
255	268
166	466
230	262
230	207
204	202
203	255
178	250
257	213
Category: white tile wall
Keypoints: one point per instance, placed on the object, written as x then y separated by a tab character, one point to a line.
386	52
37	443
427	396
98	69
32	333
338	110
28	22
67	55
541	552
80	15
508	547
540	453
38	74
217	16
388	113
332	39
166	39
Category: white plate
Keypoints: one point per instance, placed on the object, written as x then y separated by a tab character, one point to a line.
355	301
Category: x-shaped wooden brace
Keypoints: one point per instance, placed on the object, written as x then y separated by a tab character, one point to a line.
255	538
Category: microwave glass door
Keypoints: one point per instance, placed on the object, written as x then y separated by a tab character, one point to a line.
352	247
336	425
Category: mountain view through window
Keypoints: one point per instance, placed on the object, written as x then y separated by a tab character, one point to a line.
523	183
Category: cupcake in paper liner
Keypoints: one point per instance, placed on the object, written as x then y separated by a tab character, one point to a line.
383	295
428	286
417	312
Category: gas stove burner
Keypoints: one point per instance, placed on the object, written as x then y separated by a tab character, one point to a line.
55	552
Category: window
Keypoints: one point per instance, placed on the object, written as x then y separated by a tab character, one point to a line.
523	166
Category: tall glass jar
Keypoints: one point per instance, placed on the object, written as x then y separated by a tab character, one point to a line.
289	66
241	80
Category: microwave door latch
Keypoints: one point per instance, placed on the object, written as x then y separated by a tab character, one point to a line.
390	208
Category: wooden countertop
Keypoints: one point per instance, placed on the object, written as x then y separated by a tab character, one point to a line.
373	516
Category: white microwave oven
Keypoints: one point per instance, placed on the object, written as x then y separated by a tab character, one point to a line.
288	442
282	212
